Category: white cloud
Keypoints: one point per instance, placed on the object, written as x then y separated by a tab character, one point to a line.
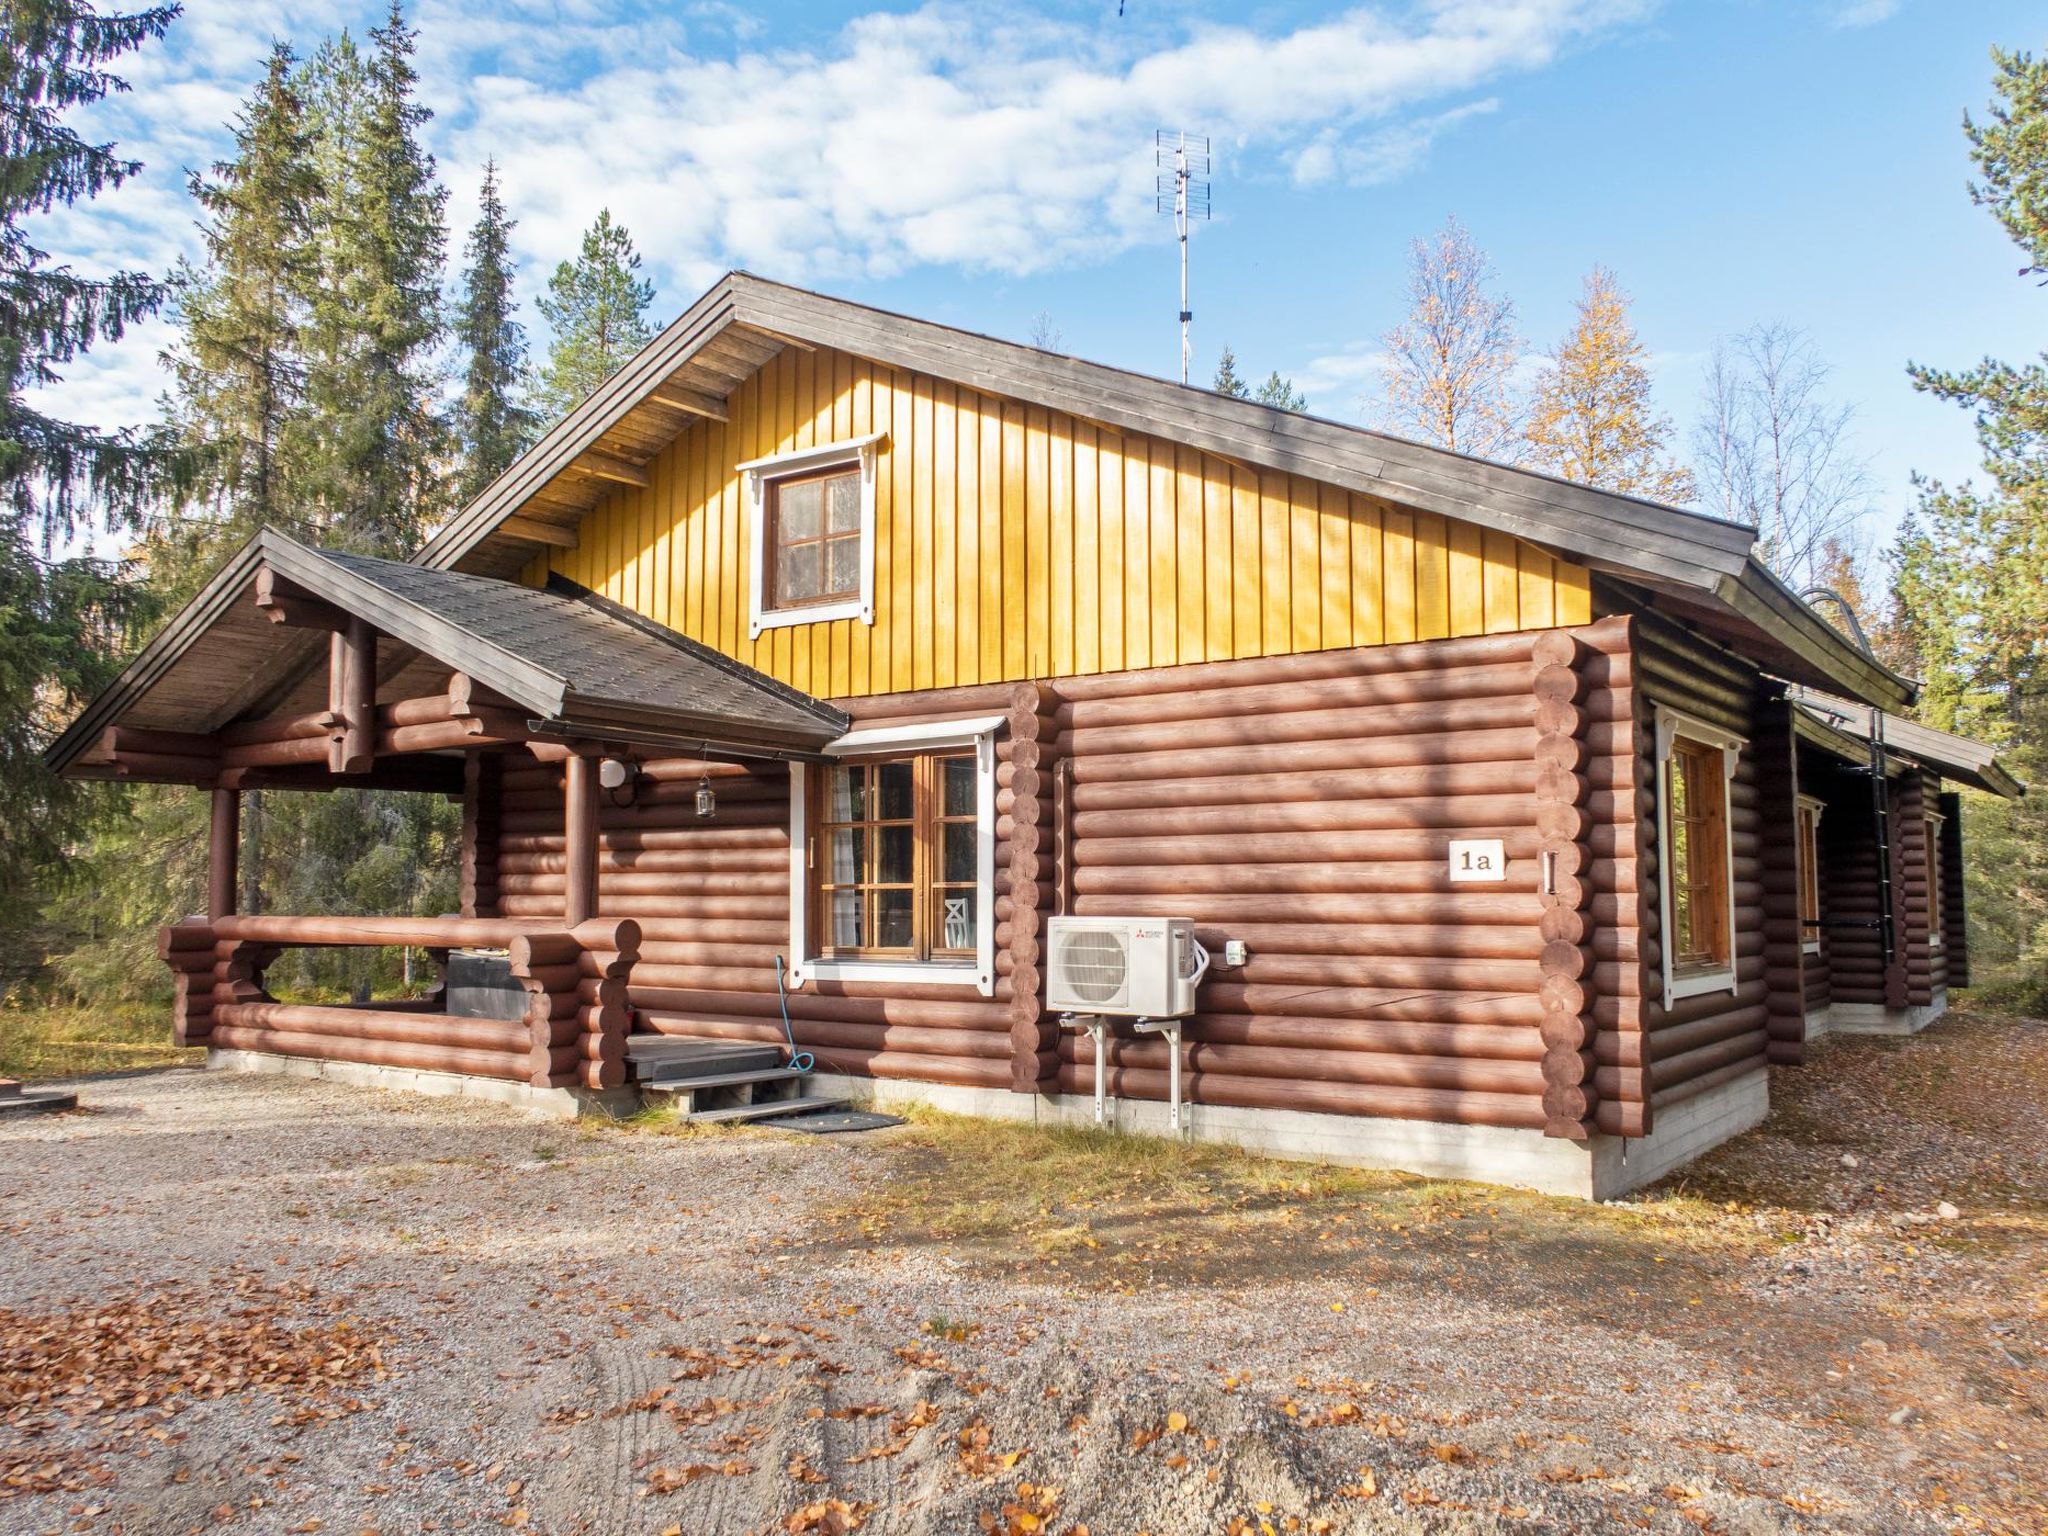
1865	13
986	137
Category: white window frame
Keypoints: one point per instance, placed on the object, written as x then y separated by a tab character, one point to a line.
1810	942
764	472
1670	725
1937	904
927	736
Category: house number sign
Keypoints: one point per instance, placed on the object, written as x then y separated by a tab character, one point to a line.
1478	858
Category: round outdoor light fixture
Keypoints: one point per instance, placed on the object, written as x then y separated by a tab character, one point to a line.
619	778
707	802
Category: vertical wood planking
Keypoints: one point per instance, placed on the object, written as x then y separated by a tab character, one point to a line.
1013	541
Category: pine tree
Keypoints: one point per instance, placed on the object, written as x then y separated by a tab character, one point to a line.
1281	393
374	312
59	618
596	310
1449	372
1591	419
238	371
1226	381
491	425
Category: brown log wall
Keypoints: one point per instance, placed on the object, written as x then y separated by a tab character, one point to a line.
1777	776
1694	1044
1954	918
573	1033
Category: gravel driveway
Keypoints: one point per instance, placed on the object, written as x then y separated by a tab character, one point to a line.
256	1304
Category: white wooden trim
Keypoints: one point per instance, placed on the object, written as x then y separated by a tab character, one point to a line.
1810	943
980	733
1671	724
759	474
1937	903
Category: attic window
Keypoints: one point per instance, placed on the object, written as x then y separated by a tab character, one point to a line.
812	535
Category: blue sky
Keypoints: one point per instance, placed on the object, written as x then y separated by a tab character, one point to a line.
1734	161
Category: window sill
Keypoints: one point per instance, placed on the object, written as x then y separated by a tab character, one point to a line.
1699	983
1810	947
923	973
817	613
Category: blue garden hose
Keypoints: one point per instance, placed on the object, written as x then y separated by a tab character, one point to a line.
803	1061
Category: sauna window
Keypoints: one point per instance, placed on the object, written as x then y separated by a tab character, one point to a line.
1808	839
814	539
1695	763
896	859
1931	840
811	535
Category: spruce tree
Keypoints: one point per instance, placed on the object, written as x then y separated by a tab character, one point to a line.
491	425
238	370
59	618
374	314
596	310
1226	381
1591	419
1281	393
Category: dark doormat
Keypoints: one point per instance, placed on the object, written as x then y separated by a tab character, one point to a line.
825	1122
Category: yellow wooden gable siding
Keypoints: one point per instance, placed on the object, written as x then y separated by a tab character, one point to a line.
1016	542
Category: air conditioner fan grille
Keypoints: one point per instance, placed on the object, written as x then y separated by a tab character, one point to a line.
1095	965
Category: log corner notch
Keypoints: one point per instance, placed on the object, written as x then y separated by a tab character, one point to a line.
576	985
1028	763
1569	1097
188	949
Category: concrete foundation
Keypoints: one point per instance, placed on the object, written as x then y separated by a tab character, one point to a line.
1874	1018
553	1103
1597	1170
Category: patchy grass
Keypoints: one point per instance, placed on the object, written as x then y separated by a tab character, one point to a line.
45	1042
1082	1204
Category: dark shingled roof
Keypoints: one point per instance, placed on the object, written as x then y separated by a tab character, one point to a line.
580	664
604	653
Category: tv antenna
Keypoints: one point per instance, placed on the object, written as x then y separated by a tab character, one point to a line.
1181	187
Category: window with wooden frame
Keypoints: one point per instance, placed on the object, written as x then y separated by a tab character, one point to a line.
1695	764
892	849
895	856
1808	838
814	539
1931	841
811	535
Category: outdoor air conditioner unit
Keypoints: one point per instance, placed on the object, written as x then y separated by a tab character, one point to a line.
1133	967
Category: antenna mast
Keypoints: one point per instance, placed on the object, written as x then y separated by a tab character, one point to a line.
1181	187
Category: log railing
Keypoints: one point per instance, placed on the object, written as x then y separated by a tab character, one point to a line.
572	1034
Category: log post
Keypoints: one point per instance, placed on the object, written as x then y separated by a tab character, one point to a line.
482	787
579	839
1034	1046
352	698
1569	1098
223	854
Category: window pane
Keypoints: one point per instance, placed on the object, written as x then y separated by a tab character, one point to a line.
954	919
843	495
893	925
897	851
843	567
799	574
844	855
956	853
798	509
896	786
846	924
846	795
956	787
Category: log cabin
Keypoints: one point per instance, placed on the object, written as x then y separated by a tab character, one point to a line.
801	682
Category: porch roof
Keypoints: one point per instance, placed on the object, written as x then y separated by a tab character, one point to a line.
579	666
1841	727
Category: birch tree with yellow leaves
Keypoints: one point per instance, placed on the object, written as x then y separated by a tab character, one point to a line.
1591	419
1448	378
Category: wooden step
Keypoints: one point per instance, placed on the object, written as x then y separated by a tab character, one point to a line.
718	1080
769	1109
668	1058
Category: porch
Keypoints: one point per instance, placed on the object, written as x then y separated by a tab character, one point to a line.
305	671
